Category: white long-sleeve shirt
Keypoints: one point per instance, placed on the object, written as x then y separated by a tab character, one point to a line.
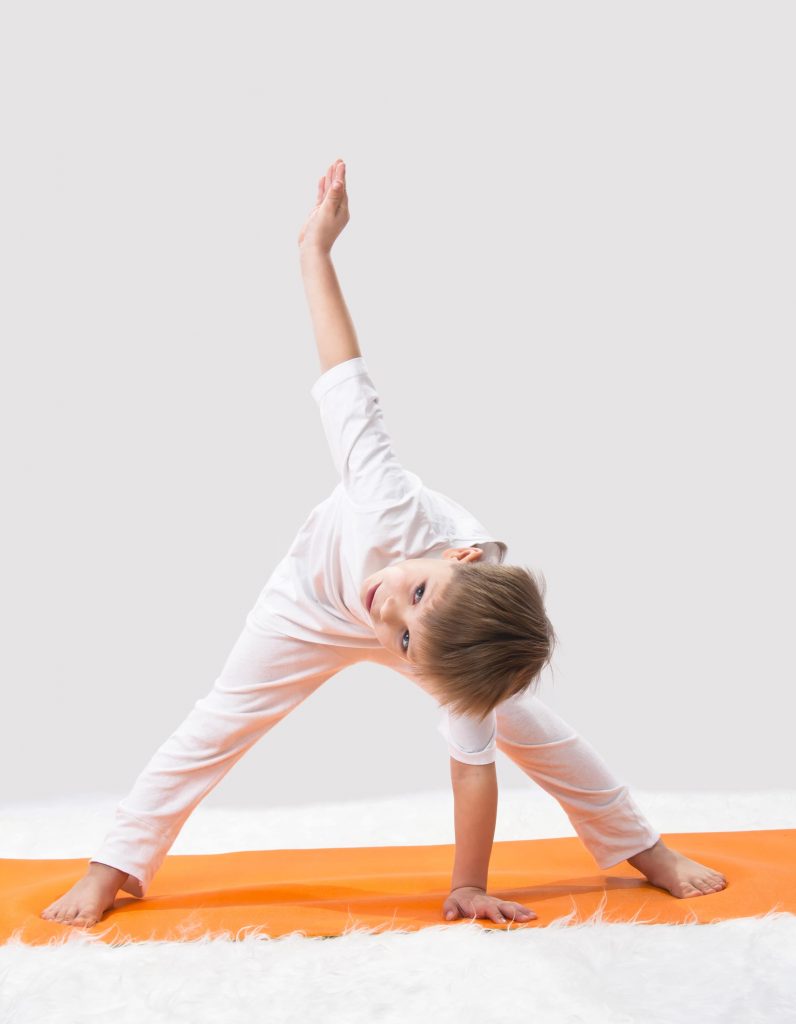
378	514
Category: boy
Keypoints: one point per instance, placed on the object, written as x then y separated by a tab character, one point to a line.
385	570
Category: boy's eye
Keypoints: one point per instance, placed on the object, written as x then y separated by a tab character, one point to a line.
421	588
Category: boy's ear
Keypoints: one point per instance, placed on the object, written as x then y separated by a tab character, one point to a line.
463	554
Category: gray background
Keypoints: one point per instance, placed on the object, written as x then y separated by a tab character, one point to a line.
570	263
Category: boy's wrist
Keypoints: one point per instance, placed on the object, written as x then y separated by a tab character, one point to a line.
313	254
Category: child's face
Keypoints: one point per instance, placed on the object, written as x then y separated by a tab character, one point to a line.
405	592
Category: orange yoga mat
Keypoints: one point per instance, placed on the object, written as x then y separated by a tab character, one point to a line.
326	892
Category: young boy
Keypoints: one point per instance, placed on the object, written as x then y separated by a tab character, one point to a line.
385	570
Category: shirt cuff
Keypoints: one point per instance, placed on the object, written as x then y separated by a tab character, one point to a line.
486	755
336	375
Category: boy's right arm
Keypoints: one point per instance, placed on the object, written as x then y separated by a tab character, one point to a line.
334	330
335	336
360	443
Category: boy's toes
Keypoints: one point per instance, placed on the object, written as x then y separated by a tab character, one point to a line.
703	886
684	890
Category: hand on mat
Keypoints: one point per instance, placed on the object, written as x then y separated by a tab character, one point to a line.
330	214
468	901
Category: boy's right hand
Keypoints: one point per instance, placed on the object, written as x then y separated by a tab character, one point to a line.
330	214
469	901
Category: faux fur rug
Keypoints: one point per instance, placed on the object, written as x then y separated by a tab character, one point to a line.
741	970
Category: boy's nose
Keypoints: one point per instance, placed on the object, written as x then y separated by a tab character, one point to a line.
385	614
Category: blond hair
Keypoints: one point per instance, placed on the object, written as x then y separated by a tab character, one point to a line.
486	638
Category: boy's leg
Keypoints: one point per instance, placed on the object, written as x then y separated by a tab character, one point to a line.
601	809
266	675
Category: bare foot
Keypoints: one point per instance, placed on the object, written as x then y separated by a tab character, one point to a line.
679	875
89	898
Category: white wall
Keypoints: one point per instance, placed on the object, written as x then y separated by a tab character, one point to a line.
570	262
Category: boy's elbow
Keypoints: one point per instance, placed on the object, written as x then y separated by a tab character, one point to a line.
463	769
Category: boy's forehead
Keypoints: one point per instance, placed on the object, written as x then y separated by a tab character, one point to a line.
438	569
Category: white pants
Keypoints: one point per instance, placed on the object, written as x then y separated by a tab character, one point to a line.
265	676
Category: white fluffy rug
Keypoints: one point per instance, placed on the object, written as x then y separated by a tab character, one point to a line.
740	971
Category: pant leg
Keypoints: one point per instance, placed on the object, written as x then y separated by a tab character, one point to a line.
602	811
549	751
265	676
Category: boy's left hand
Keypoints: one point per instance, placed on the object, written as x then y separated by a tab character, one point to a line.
468	901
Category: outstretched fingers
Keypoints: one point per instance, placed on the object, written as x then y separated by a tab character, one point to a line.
515	912
335	172
488	908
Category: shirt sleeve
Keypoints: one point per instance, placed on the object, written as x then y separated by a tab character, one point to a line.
469	739
358	438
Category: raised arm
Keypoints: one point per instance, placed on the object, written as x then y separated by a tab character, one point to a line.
334	330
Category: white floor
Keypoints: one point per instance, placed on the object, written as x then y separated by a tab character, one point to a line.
734	971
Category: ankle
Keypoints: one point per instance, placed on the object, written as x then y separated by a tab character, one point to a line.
643	855
106	874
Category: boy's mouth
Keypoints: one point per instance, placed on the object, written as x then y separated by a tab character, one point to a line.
369	597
